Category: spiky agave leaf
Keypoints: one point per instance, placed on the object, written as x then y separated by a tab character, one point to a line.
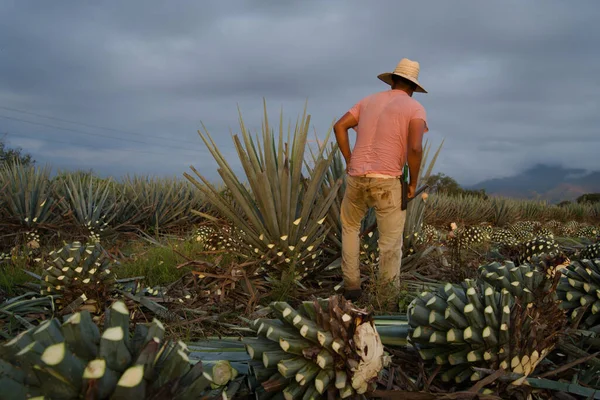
75	360
579	291
78	273
476	325
334	174
22	312
326	346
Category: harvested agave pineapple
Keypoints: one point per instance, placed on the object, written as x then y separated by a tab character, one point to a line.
75	360
327	347
78	274
476	324
203	234
536	247
579	291
429	233
524	279
553	226
590	252
544	232
469	236
487	229
222	238
503	237
590	232
570	228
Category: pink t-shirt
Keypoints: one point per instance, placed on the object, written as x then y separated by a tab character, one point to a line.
382	132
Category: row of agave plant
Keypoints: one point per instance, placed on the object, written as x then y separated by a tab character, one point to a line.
510	318
501	211
35	205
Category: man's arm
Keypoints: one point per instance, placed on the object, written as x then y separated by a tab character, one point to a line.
341	135
416	129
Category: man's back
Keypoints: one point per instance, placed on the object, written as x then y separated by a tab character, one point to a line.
382	132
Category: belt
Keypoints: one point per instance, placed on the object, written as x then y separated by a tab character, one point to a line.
382	176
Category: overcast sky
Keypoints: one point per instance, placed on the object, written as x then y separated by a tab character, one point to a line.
511	83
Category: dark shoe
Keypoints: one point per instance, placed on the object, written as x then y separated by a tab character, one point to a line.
353	294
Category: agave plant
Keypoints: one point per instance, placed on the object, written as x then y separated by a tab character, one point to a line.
73	360
28	194
497	325
283	209
79	275
326	349
155	203
503	211
579	291
91	201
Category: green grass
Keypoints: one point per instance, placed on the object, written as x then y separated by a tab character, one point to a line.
159	263
12	274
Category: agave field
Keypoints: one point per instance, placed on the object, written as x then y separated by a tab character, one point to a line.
146	288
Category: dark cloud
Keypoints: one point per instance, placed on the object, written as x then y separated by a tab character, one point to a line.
511	84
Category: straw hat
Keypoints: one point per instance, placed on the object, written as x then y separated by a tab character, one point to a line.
407	69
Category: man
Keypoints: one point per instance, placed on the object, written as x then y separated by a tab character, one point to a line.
389	129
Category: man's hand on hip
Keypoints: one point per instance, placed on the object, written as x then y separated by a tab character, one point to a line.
412	188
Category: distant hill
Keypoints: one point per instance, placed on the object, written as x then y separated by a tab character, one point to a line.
552	183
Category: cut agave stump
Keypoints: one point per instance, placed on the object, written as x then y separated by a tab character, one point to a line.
80	274
493	323
75	360
579	291
326	348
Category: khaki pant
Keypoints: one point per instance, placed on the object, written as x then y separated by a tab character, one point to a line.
385	195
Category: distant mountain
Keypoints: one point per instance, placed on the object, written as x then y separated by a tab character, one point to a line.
552	183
